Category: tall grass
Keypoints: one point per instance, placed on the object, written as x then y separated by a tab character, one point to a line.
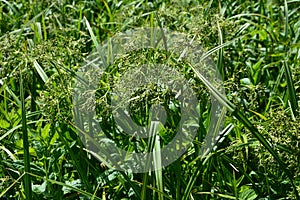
255	46
27	178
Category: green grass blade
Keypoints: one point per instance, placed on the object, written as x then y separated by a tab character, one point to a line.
70	73
111	17
222	99
220	54
27	178
40	71
144	186
17	127
14	96
96	44
291	88
286	20
44	27
93	37
4	97
157	163
248	15
8	152
288	74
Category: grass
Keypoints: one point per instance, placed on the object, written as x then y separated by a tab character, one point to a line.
255	47
27	178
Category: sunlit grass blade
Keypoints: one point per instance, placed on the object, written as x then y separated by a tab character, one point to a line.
13	95
151	142
220	53
40	71
218	140
286	20
247	15
93	37
27	178
111	17
204	159
8	152
157	164
96	43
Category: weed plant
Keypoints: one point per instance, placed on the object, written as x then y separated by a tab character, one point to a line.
255	45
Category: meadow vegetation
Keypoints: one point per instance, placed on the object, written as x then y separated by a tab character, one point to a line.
255	46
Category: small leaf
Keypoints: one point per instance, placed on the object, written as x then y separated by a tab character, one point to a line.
248	194
54	138
245	81
4	124
45	131
39	189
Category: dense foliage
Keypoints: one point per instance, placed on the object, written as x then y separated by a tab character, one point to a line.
256	47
